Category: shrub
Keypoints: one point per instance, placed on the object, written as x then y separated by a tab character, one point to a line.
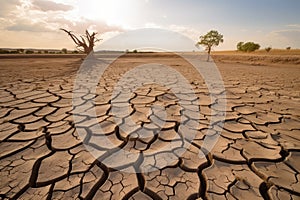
21	50
3	51
14	52
268	49
29	52
288	48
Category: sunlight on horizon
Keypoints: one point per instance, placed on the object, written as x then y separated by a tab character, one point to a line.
152	39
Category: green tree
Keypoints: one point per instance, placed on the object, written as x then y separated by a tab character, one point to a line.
239	46
64	50
209	40
248	46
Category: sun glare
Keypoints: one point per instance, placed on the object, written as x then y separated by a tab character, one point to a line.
113	12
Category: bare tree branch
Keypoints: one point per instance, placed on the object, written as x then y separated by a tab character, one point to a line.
88	44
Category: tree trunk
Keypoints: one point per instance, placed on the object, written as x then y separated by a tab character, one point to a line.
208	53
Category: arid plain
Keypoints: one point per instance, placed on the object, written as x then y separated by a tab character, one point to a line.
256	156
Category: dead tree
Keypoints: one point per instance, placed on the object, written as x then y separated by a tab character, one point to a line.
87	41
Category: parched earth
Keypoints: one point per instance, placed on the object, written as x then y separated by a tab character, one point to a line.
52	147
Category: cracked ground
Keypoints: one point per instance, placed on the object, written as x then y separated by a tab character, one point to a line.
42	155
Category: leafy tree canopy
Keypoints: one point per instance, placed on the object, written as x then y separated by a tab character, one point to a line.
247	47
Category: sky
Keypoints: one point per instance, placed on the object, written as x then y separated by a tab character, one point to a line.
36	23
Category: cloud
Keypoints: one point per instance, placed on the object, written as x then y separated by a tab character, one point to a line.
293	25
82	24
289	34
29	19
7	6
190	32
26	25
45	5
286	37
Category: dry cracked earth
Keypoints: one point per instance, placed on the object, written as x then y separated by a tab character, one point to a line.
44	134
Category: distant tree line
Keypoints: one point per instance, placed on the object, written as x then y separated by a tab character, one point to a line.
29	51
16	51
